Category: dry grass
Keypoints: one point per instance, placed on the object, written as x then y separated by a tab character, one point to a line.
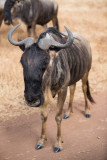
84	16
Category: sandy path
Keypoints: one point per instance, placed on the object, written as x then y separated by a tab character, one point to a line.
83	138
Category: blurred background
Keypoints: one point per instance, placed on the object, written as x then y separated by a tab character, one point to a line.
87	17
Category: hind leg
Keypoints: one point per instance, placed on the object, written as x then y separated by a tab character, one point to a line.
84	88
34	30
55	23
1	18
29	30
70	109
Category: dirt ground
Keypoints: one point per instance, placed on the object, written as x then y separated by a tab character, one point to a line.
83	138
20	125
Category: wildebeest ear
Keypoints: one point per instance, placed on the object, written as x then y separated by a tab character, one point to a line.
22	47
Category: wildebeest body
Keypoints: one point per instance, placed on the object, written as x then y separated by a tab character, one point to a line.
41	12
32	12
70	64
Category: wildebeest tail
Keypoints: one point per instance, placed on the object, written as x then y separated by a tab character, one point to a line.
89	93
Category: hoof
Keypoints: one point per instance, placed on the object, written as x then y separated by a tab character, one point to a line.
57	149
88	115
65	116
39	146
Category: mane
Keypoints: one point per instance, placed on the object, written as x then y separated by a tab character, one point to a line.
51	30
54	31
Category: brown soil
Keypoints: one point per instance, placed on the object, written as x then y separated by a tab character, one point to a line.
83	138
20	125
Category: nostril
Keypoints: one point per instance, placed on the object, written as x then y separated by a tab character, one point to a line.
29	99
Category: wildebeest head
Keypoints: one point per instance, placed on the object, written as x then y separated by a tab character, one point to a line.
35	60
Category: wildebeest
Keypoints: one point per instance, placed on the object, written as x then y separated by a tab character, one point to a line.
46	76
14	12
32	12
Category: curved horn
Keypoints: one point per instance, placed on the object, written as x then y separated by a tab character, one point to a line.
48	41
27	42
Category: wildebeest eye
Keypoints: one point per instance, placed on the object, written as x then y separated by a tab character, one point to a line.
43	69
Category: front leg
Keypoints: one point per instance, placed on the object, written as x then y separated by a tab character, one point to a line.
43	137
70	109
61	100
